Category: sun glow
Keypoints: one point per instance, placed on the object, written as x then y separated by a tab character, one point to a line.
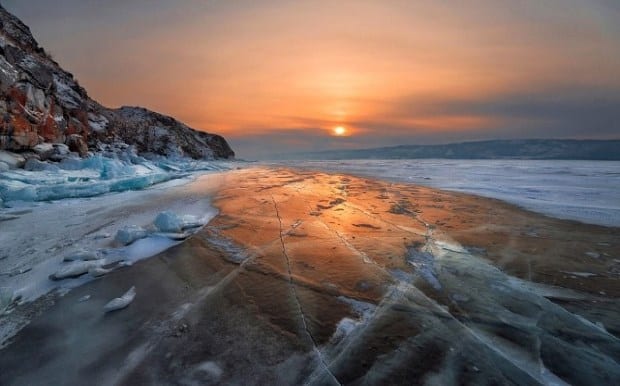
340	131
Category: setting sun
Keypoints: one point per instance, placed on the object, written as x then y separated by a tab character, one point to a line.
340	131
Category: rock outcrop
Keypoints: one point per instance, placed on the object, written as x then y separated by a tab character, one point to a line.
40	103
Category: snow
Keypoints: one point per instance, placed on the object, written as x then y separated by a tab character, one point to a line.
66	93
97	122
586	191
121	302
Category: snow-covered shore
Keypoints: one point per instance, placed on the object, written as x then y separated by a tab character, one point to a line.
38	238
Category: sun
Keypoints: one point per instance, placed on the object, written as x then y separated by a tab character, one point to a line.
340	131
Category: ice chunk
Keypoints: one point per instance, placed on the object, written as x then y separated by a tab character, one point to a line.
11	159
190	222
74	269
129	234
82	254
122	302
169	222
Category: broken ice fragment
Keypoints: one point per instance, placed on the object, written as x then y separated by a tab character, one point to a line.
129	234
122	302
169	222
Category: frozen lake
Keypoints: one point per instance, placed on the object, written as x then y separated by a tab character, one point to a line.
587	191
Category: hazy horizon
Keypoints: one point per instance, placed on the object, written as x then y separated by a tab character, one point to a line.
278	77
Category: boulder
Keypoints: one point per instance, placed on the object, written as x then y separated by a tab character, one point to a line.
77	144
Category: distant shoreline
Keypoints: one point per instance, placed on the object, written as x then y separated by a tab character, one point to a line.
522	149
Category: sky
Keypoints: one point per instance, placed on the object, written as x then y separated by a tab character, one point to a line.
277	76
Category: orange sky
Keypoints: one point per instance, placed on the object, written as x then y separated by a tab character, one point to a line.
280	75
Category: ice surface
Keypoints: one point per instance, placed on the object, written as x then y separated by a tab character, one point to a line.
586	191
121	302
424	262
146	247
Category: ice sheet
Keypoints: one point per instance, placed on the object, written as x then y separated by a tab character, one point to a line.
96	175
586	191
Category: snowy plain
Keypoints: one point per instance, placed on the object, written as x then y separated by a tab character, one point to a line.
585	191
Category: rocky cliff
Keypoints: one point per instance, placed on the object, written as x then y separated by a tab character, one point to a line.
40	103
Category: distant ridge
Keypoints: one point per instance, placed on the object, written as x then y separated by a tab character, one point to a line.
493	149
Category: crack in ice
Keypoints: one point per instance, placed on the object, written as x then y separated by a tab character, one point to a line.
298	302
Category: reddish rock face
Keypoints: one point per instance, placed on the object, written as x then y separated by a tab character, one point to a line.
42	103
